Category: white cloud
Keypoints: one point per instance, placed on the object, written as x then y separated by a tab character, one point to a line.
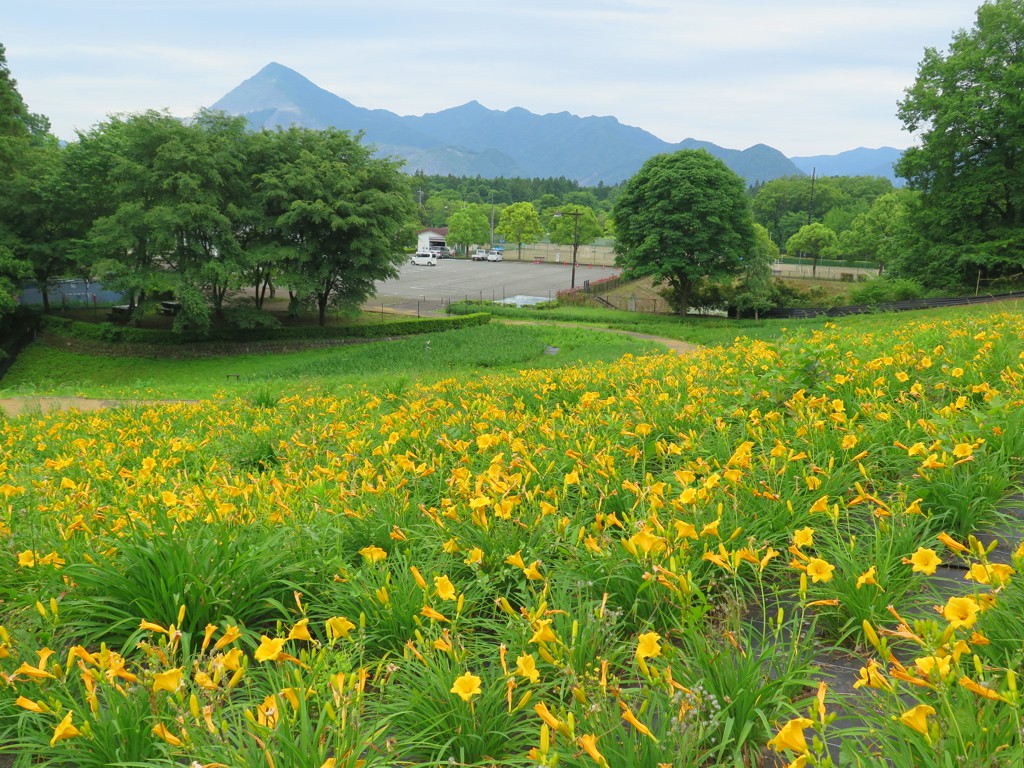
806	77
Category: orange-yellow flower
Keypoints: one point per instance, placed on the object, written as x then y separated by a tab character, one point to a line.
647	646
630	718
466	686
373	553
871	677
445	588
161	731
961	611
65	729
821	505
917	718
430	613
924	561
338	626
546	715
868	577
300	631
526	666
952	543
230	635
803	538
588	742
980	690
270	649
543	633
167	681
31	706
819	570
791	736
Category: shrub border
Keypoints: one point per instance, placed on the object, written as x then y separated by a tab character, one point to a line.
109	333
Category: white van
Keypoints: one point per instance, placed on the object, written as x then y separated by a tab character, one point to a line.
424	259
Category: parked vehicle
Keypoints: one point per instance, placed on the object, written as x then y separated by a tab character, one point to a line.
494	255
424	259
441	252
479	255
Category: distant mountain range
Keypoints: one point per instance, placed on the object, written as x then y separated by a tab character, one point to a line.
472	140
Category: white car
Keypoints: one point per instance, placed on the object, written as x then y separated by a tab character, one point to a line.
424	259
479	255
493	255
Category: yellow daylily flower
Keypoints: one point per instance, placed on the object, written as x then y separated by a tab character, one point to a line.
961	611
647	646
791	736
444	587
917	718
270	649
160	730
526	666
819	570
466	686
167	681
65	729
924	561
300	631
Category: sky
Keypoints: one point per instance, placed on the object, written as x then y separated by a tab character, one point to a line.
807	77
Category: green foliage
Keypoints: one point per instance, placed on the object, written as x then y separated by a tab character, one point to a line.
214	570
469	226
682	217
783	205
966	112
520	224
252	331
573	225
885	289
754	290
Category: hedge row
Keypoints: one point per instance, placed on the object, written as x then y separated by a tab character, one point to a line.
122	334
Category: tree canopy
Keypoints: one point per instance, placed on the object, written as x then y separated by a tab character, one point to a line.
520	224
967	111
682	217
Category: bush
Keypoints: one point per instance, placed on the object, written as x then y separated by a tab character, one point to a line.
882	290
119	334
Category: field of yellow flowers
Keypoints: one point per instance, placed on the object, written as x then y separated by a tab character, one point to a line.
627	564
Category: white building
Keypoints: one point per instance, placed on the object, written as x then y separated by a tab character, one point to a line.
432	239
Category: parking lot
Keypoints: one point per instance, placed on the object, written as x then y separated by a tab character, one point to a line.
428	289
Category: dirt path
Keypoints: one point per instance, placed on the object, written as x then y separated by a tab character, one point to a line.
679	347
16	406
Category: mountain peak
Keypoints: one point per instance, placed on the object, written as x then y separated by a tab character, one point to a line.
472	140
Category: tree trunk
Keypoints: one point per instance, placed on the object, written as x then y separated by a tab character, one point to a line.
321	305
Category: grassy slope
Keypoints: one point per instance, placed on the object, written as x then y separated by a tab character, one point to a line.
45	370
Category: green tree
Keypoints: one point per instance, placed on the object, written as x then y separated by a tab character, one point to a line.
469	226
174	192
881	233
755	287
22	136
814	240
966	111
682	217
42	224
520	224
347	215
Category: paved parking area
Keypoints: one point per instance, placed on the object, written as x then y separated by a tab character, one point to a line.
428	288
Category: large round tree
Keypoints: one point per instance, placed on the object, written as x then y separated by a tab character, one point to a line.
966	109
682	217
